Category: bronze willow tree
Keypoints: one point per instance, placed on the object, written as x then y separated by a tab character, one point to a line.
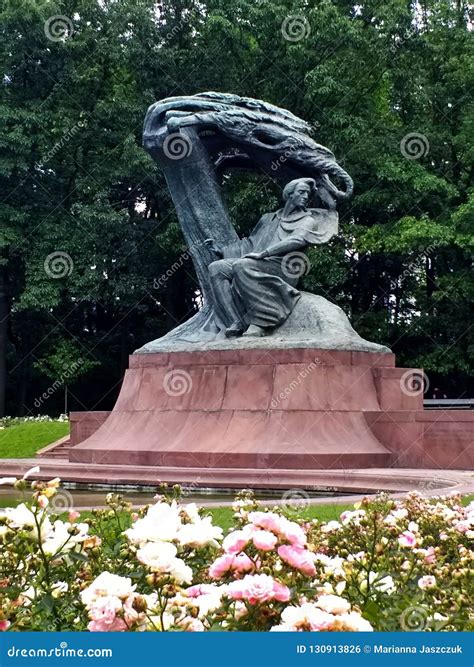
196	138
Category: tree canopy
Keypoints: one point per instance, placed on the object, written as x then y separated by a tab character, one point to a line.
92	262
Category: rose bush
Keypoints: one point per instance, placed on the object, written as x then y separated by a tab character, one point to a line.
387	565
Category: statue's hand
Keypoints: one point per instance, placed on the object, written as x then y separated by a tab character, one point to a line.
256	255
215	248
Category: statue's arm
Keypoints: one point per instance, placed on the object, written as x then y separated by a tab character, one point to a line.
283	247
232	250
244	246
237	249
315	232
301	238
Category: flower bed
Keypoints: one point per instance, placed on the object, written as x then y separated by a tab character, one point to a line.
385	565
5	422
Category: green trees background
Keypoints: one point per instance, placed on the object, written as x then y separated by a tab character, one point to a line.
87	227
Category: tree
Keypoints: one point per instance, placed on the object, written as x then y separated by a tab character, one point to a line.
87	228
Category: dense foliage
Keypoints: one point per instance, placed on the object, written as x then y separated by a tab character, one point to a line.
404	565
86	223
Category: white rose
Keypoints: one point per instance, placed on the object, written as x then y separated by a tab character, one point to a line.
332	604
60	539
107	584
200	533
181	572
384	584
160	524
355	623
21	517
59	588
157	555
192	512
330	526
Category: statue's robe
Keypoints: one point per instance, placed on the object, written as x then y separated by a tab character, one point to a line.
263	291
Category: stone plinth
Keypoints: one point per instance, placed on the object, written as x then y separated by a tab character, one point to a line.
266	409
84	424
271	410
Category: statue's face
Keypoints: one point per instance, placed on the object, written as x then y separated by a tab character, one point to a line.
300	196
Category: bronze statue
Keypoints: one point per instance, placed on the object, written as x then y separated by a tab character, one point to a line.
248	295
254	284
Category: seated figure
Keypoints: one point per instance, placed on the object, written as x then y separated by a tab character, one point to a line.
254	282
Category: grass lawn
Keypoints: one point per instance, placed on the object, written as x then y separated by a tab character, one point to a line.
22	441
222	516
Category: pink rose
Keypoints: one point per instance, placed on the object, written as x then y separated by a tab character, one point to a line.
105	609
201	589
117	625
195	591
235	541
43	501
237	589
4	625
294	533
430	555
230	562
258	588
462	526
264	540
103	615
280	525
242	563
281	592
299	558
266	520
428	581
220	566
407	539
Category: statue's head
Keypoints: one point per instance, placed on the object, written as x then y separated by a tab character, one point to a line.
299	191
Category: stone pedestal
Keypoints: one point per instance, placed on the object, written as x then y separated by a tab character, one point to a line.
262	409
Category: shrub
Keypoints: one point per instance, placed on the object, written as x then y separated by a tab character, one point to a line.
386	565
